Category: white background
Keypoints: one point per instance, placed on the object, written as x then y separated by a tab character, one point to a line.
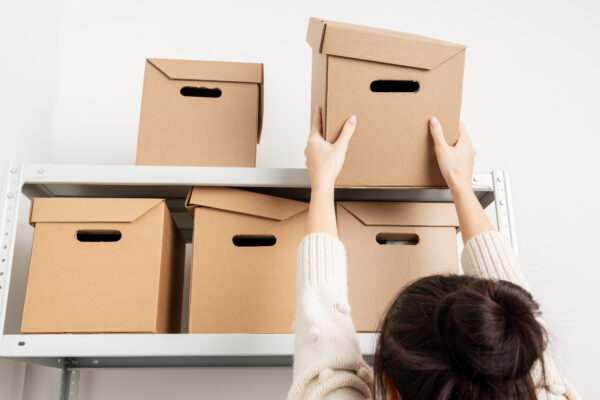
70	85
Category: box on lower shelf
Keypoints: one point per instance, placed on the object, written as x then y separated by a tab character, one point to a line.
172	183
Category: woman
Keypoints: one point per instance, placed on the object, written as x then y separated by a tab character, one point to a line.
475	336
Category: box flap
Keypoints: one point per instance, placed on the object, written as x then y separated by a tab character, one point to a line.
244	202
209	70
402	214
381	45
66	209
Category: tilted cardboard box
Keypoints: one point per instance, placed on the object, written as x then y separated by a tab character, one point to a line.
243	277
103	265
390	244
394	83
200	113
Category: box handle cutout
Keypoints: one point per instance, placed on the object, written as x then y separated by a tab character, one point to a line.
408	239
254	240
191	91
391	86
98	236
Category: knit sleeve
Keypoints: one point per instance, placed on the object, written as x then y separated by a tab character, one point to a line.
490	255
327	363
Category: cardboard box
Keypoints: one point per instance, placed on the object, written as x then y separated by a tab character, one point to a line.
243	277
200	113
394	82
390	244
103	265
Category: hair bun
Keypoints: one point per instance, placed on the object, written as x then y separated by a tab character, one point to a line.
488	329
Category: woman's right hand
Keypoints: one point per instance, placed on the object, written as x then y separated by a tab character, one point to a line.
455	162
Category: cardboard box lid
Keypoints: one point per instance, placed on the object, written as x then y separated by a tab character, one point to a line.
65	209
244	202
402	214
381	45
219	71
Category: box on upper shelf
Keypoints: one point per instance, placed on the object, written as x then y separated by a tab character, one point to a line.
243	277
101	265
393	82
390	244
200	113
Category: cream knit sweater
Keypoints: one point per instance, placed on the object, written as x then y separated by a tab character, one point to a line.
328	363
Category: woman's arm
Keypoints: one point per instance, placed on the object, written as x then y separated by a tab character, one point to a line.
324	161
487	253
456	164
327	360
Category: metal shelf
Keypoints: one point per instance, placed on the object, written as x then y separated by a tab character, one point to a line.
133	350
145	350
173	184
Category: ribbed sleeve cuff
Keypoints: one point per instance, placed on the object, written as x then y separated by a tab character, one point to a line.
490	255
321	261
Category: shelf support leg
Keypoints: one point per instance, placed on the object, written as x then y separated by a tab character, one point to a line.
69	384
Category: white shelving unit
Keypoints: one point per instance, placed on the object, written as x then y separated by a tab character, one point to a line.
72	352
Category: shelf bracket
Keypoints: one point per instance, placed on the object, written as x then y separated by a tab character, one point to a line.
69	384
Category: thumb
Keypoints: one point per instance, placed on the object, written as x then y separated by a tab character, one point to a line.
437	133
347	131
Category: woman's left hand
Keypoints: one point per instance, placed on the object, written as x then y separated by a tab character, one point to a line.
324	160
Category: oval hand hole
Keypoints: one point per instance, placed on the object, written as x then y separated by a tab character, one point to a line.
98	236
254	240
191	91
409	239
21	343
390	86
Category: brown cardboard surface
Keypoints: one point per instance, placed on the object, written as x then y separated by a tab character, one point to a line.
172	264
377	272
243	289
130	285
182	130
391	145
381	45
243	201
54	209
217	71
403	214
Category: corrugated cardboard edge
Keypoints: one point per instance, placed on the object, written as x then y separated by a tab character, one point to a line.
131	218
221	76
173	246
221	194
261	101
317	38
449	220
316	33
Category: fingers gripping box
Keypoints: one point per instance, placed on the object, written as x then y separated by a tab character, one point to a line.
394	82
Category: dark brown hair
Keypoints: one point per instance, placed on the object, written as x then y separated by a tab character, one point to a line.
460	337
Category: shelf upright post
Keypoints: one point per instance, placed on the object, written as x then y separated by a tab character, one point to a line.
69	383
11	174
504	207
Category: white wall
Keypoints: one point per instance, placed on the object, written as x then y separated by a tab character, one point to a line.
531	98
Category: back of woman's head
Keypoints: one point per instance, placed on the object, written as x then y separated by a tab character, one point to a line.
459	337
